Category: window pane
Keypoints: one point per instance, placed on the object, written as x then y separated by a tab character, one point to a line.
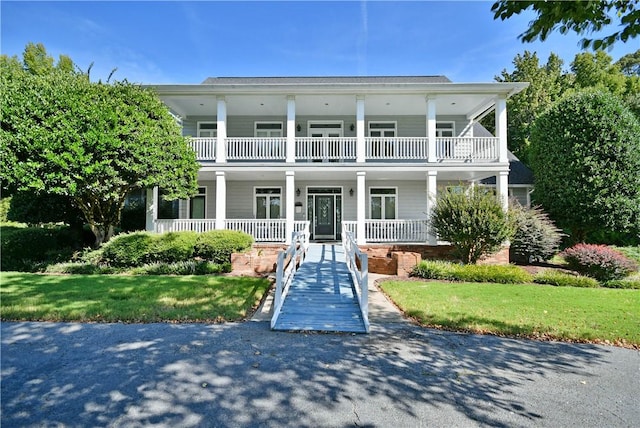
383	191
390	207
261	207
274	207
268	191
268	126
376	207
197	207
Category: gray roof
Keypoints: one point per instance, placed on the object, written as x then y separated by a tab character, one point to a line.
519	173
324	80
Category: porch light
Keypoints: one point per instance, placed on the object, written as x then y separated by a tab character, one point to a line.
298	128
298	191
352	127
351	192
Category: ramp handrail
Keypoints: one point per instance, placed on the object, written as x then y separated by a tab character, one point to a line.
288	262
360	276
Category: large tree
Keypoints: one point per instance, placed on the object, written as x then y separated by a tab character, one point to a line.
586	159
582	17
93	142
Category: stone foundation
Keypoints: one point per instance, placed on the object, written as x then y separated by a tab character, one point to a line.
260	260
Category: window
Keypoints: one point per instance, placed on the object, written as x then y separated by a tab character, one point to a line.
383	204
382	148
382	129
198	203
268	202
445	129
268	129
207	129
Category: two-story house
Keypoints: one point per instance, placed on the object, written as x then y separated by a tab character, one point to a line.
367	154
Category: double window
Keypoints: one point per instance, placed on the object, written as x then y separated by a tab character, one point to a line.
382	147
207	129
268	129
268	202
383	204
445	129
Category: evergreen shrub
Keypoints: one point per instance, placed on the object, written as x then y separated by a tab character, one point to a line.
218	245
536	237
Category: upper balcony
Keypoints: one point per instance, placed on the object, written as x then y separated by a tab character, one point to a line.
345	149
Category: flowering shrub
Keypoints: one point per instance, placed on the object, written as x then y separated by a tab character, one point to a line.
599	261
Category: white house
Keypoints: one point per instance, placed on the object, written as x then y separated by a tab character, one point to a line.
367	154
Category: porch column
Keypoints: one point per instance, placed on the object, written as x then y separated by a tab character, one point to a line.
502	187
360	209
501	128
290	210
432	194
431	129
291	129
152	209
221	199
221	149
361	148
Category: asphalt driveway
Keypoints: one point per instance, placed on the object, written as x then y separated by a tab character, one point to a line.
243	374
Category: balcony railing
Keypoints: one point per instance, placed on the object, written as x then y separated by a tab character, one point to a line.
391	230
344	149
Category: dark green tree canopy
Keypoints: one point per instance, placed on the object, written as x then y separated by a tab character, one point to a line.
586	160
582	17
92	142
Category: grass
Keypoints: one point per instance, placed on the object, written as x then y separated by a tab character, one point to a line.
526	310
117	298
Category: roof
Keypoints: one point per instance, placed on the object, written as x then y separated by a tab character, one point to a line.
519	173
306	80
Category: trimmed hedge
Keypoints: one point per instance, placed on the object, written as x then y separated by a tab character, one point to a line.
503	274
218	245
30	249
599	261
128	249
561	279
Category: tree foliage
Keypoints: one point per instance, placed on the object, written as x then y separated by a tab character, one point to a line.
92	142
536	237
582	17
586	160
474	223
35	208
630	64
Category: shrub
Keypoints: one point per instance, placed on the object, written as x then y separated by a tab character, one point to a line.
218	245
504	274
191	267
32	248
630	283
474	223
173	247
536	238
80	268
128	249
561	279
5	203
598	261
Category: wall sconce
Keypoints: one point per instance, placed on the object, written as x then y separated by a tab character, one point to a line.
298	128
352	127
298	207
298	191
351	192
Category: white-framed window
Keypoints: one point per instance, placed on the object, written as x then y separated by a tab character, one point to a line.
382	129
268	129
207	129
268	202
383	203
198	204
445	129
325	128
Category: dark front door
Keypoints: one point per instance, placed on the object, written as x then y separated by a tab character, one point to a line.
325	215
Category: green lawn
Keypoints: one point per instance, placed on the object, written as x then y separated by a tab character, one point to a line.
117	298
538	311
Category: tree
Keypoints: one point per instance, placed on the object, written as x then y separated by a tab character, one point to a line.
92	142
597	70
586	162
37	208
474	223
630	64
578	16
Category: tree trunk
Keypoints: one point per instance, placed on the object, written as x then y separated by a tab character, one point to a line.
102	233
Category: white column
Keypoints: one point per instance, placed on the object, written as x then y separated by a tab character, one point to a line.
431	129
152	209
221	200
502	184
291	129
290	206
432	194
221	149
361	149
501	128
361	208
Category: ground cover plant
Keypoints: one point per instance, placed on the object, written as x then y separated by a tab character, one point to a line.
442	270
523	310
118	298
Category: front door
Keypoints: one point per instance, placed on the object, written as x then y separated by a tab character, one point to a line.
324	220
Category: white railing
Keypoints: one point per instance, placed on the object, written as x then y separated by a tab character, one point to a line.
326	148
390	230
180	225
289	261
360	275
205	148
262	230
247	148
469	149
407	148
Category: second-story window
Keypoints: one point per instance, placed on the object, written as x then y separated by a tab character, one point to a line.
382	147
268	129
207	129
382	129
445	129
268	202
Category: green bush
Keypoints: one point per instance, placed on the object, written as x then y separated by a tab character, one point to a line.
5	203
128	249
632	252
173	247
473	222
32	248
218	245
562	279
629	283
536	238
80	268
191	267
441	270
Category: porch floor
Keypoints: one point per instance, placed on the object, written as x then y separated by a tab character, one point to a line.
321	295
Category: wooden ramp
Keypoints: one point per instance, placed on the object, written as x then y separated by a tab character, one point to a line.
321	295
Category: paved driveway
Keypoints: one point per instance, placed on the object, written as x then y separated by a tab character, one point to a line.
236	375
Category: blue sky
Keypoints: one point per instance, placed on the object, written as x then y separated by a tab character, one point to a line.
185	42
